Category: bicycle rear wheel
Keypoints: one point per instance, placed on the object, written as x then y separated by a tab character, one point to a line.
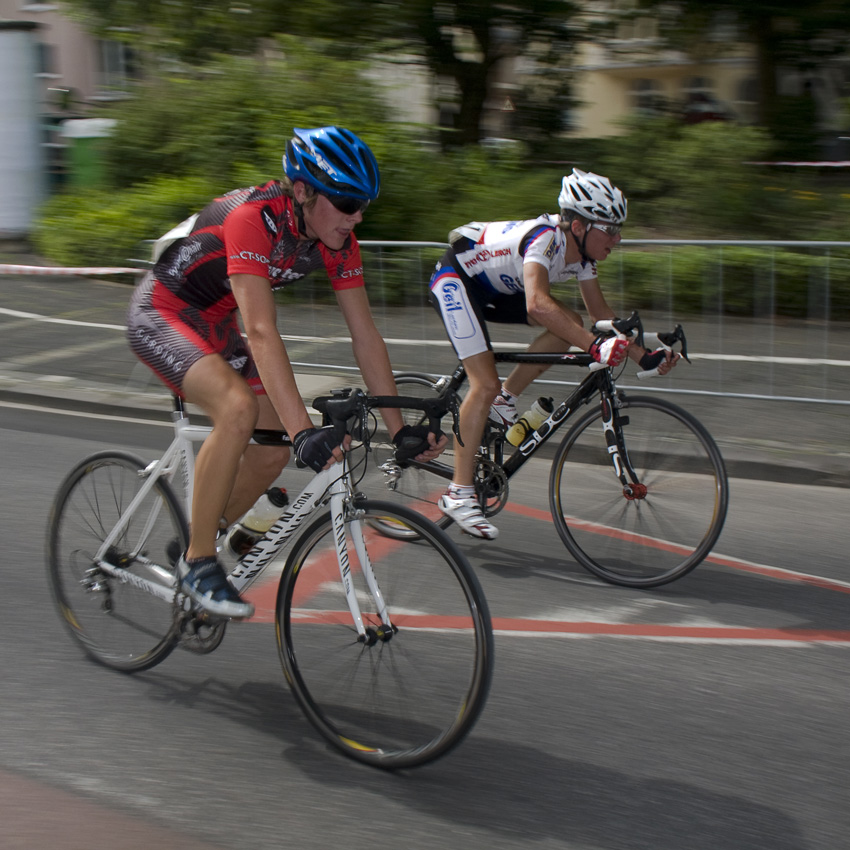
411	694
114	619
665	531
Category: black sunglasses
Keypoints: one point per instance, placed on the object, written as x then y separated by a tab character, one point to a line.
348	205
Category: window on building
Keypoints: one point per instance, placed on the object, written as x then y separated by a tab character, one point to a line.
116	67
746	100
46	59
647	97
700	103
634	24
697	86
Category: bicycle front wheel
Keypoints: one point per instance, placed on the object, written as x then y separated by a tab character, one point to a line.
411	691
674	515
108	606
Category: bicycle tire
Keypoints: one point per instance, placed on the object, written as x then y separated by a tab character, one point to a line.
115	622
417	488
656	538
400	702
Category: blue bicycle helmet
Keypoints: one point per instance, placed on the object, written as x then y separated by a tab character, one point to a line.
334	161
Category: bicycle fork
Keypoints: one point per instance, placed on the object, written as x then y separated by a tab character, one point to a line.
612	425
344	512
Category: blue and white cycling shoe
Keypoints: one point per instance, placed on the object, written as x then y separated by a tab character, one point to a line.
205	582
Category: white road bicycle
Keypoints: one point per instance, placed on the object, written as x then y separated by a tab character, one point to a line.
386	644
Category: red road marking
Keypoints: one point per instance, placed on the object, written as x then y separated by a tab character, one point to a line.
722	560
518	625
264	597
322	570
38	815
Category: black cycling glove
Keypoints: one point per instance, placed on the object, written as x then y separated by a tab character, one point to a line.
652	359
410	441
314	447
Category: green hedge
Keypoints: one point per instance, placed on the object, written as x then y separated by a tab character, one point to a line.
108	228
741	281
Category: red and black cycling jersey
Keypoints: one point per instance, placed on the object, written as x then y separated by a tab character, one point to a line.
249	231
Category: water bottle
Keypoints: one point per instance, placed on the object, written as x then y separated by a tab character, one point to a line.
251	527
535	416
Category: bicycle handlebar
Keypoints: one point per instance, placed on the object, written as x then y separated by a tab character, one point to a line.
633	329
344	404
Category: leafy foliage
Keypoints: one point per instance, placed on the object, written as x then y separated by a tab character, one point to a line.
187	138
738	280
461	41
786	36
103	227
237	112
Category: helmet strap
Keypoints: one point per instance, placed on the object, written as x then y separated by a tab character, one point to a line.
298	209
581	245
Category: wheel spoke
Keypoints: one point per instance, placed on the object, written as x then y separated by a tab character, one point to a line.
666	532
116	622
401	701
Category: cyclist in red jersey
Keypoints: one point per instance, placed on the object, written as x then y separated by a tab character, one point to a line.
182	323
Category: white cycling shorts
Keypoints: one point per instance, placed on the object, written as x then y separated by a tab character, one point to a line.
466	331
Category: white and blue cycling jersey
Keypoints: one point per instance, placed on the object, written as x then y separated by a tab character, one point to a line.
480	279
495	253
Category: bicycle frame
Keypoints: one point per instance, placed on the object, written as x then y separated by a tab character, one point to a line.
329	485
600	380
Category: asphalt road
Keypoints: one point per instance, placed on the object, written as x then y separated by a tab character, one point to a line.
709	713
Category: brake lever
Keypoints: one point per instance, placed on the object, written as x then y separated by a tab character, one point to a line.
678	335
631	327
681	335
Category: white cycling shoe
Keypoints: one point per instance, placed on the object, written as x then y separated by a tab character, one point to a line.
468	516
503	412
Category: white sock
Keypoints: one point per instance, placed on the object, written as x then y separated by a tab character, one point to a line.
461	491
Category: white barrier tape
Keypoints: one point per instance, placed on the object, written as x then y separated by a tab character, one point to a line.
13	269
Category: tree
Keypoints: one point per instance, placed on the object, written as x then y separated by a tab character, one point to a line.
463	41
787	36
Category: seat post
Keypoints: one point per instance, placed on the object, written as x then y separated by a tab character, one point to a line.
178	408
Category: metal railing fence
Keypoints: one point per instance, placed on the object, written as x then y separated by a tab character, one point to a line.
764	320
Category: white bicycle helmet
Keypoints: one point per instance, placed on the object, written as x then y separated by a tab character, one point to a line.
592	197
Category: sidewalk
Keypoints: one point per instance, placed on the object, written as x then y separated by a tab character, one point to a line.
62	343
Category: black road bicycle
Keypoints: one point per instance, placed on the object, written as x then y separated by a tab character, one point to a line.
638	489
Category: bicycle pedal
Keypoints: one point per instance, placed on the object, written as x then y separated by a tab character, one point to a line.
202	636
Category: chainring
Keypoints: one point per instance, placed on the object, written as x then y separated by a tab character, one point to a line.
491	486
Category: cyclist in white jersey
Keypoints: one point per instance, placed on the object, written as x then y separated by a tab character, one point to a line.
502	272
